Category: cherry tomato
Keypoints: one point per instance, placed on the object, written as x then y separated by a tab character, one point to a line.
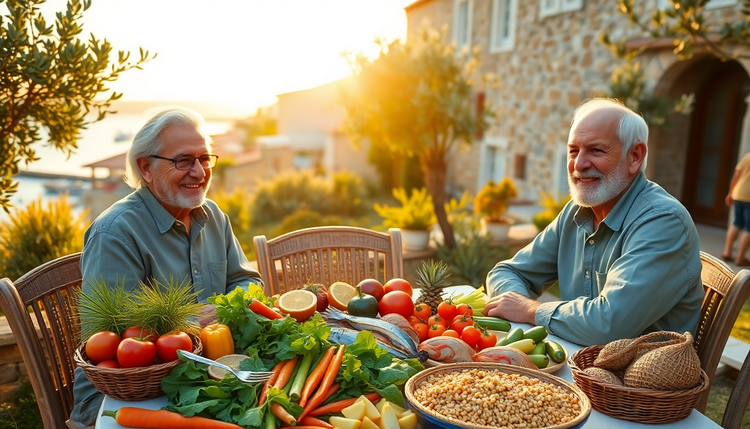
471	335
414	319
422	311
167	345
447	310
435	331
437	320
138	332
102	346
464	309
397	284
487	339
460	323
108	364
396	302
132	353
451	333
422	330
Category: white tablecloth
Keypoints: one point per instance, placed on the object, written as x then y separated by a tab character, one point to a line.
596	420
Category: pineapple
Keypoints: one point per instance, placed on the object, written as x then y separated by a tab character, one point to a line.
432	277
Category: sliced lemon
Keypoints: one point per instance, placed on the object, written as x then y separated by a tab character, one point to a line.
300	304
340	293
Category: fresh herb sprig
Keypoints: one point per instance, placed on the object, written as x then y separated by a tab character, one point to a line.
102	307
165	307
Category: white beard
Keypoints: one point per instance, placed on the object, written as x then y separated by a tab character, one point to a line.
608	188
179	200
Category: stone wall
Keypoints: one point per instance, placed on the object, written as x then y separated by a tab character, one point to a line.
12	368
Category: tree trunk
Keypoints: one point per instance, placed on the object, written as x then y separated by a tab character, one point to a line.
435	170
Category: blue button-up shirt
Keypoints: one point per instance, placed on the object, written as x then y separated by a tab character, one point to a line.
638	272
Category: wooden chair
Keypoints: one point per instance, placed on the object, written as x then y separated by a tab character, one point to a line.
738	399
725	294
327	254
49	356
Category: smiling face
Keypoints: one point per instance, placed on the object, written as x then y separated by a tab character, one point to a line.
177	190
598	172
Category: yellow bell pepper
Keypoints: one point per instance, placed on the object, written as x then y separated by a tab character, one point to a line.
217	341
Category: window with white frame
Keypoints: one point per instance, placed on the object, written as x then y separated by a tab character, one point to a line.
560	170
462	23
493	160
503	30
554	7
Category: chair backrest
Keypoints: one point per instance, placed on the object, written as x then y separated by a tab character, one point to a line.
327	254
725	294
48	357
738	399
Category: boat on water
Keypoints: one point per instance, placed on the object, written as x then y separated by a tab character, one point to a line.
123	136
64	185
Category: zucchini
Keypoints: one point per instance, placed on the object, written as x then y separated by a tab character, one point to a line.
541	361
493	323
555	351
539	349
526	345
513	336
537	333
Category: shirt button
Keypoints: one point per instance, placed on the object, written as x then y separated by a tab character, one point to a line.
591	241
587	274
195	271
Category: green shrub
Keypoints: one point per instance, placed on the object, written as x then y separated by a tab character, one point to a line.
306	219
237	206
553	205
348	192
289	192
416	211
22	411
34	235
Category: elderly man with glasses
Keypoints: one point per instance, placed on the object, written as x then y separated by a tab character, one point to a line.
166	228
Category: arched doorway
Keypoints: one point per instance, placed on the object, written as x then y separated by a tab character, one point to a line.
714	140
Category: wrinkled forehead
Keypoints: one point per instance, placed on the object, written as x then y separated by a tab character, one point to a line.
602	121
185	138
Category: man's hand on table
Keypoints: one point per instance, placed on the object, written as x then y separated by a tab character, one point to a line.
512	306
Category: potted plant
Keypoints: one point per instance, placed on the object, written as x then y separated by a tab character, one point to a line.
553	205
491	203
414	217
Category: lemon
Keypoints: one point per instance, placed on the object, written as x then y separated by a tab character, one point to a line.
340	293
300	304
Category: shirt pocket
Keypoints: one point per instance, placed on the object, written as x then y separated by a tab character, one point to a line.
601	281
218	276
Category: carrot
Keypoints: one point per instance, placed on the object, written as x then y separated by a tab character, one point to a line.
330	375
317	375
279	411
336	407
314	421
133	417
319	398
258	307
286	372
276	370
299	378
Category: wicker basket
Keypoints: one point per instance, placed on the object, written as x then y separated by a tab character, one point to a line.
129	384
628	403
434	420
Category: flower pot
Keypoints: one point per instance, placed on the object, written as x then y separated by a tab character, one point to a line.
498	231
414	240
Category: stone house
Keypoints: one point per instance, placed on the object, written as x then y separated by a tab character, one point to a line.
548	59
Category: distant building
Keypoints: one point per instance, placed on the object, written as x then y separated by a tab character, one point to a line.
548	58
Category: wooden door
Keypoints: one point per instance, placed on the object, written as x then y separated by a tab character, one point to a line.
714	143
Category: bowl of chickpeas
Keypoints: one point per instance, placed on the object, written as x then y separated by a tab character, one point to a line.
488	395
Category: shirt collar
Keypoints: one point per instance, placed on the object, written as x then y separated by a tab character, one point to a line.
164	220
616	217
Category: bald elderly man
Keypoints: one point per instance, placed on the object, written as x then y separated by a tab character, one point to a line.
625	252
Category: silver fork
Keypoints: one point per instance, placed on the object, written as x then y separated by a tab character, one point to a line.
246	376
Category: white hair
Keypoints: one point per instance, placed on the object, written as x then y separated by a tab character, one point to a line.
146	141
631	129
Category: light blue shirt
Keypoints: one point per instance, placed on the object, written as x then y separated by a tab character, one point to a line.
639	272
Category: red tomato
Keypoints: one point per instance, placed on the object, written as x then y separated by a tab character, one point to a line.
435	331
397	284
414	320
437	320
132	353
451	333
102	346
471	335
422	330
461	322
396	302
167	345
486	340
108	364
446	310
464	309
143	333
422	311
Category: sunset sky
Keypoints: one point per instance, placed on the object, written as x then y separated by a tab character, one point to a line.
238	52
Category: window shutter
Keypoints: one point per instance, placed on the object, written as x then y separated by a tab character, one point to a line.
480	112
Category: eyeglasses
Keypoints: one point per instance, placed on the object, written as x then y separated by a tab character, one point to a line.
185	163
